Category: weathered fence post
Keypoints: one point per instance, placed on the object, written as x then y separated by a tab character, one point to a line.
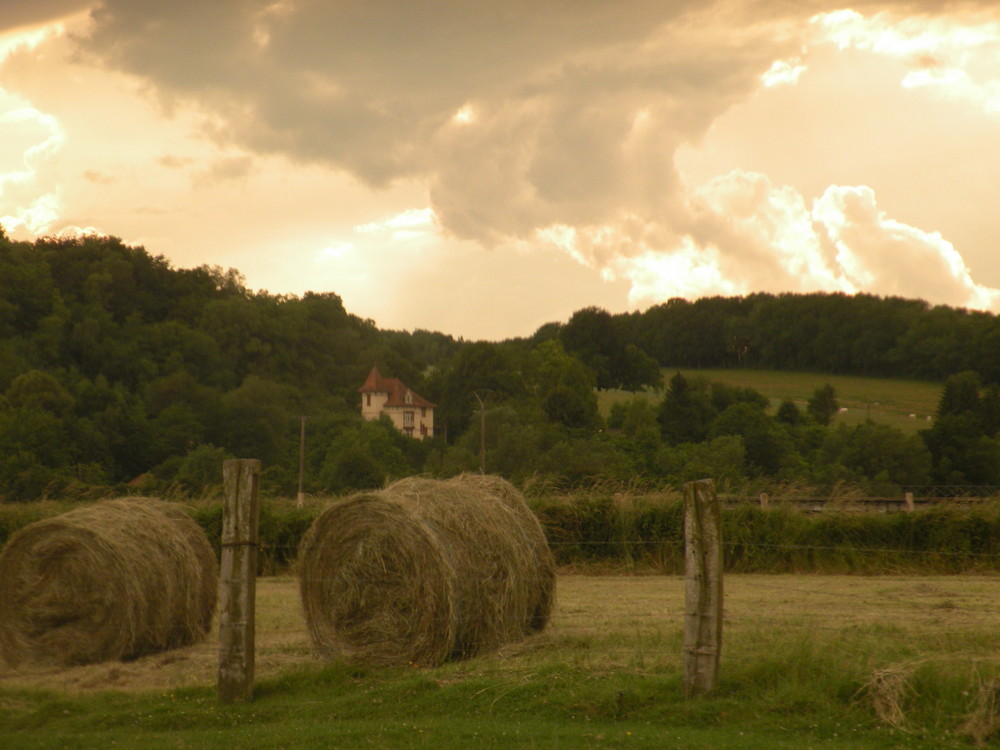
765	501
238	580
908	500
702	586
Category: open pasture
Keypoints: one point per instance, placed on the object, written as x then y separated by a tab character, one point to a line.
808	661
887	400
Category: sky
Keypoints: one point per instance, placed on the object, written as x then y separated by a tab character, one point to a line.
482	167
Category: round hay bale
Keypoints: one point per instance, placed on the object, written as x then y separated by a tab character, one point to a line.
114	580
425	570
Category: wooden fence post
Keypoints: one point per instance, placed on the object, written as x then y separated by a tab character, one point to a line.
238	580
908	501
765	501
702	587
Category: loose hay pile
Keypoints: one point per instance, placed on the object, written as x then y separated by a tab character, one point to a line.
425	571
113	580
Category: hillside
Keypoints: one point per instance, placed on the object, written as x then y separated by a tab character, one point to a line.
885	400
121	374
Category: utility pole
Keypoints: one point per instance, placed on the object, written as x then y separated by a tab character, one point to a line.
300	500
482	426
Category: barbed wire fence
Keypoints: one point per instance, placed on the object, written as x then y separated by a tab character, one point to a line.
662	559
628	591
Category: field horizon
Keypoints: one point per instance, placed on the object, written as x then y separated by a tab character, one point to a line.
886	400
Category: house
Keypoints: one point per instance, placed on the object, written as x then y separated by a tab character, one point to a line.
411	413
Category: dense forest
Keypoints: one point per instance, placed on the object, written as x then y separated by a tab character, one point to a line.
121	373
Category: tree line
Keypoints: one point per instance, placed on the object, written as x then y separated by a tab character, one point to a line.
119	372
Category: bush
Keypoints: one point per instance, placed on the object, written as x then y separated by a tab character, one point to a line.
628	530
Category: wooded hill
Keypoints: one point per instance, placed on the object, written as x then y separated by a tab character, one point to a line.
116	367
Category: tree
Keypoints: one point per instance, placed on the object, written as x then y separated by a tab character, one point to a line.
364	456
36	435
872	451
478	366
722	458
961	452
961	439
990	410
601	342
724	396
258	420
201	467
637	370
39	390
590	334
684	413
765	442
788	413
563	385
823	404
641	433
960	395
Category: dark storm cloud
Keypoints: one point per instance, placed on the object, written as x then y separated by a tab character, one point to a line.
575	107
373	87
519	117
15	14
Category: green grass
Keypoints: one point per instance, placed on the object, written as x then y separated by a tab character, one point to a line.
886	400
330	708
800	657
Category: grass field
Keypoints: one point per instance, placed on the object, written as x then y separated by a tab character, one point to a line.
882	399
808	662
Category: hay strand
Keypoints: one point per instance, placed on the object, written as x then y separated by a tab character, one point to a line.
424	571
887	691
983	722
114	580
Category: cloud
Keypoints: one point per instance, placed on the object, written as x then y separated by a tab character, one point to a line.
20	14
958	57
884	256
220	170
762	237
414	223
99	178
566	112
363	86
552	125
688	271
36	215
30	139
783	72
766	235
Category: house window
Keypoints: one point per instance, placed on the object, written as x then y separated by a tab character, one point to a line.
423	411
368	399
408	419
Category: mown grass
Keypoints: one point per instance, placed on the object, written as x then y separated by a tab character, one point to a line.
808	661
885	400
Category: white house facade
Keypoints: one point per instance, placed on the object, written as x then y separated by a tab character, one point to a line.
412	414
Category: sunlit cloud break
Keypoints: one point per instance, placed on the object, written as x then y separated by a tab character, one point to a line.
959	59
412	223
783	73
774	242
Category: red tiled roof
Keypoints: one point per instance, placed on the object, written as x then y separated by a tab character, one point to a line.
396	389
